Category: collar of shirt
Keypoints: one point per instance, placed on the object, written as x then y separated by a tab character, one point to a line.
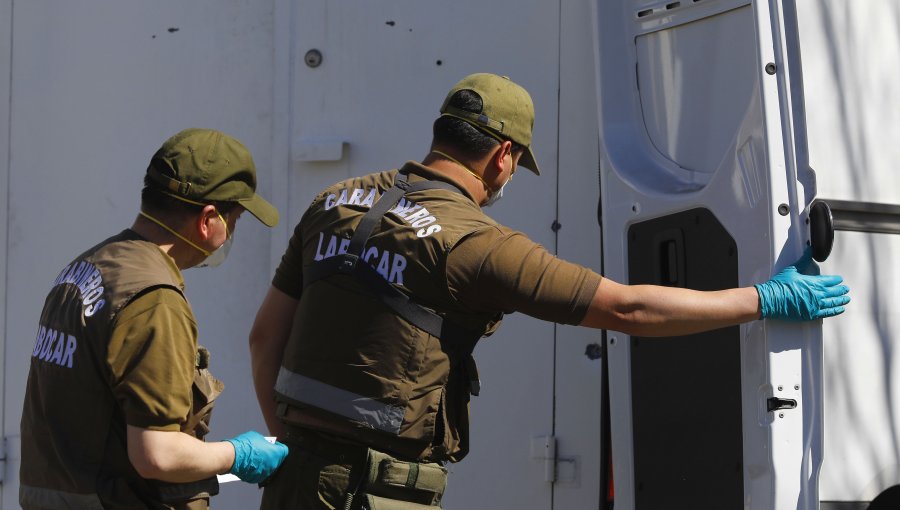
425	172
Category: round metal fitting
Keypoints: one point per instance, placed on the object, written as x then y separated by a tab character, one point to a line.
779	388
783	209
313	58
771	68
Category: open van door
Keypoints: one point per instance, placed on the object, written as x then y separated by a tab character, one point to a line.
705	184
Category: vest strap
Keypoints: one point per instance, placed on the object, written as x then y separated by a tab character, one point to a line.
456	340
392	297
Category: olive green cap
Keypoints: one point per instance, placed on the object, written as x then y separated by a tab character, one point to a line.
204	165
508	112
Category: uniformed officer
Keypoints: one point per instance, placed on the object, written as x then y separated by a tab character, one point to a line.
365	337
119	394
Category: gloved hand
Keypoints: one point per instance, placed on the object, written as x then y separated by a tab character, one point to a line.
255	459
794	296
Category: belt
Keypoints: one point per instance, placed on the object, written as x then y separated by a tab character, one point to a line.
325	445
383	481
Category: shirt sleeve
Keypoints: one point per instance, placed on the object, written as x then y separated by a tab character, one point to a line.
500	269
152	352
289	275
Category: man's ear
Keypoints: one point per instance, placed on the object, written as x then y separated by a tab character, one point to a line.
500	152
203	221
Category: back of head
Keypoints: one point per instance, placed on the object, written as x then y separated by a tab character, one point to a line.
196	167
489	106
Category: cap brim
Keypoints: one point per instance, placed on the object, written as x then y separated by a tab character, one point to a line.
263	210
527	160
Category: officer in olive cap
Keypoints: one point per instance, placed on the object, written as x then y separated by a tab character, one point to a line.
362	348
119	393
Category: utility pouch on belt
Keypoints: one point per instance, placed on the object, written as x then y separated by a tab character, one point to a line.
393	484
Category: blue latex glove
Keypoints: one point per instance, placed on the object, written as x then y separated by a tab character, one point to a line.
255	459
799	293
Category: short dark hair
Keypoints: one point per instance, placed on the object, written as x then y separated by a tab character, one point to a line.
170	209
460	135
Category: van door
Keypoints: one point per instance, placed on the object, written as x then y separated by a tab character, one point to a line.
705	184
367	82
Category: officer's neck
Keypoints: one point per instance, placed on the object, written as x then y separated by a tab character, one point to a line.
183	255
457	171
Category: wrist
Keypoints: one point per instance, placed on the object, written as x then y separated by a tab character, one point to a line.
761	311
229	456
759	301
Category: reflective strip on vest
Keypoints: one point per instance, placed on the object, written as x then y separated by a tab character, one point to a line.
341	402
37	497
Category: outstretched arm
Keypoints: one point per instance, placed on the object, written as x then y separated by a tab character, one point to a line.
649	310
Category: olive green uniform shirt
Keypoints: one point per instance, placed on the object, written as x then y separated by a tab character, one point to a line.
494	269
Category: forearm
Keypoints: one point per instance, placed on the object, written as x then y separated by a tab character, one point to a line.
173	456
648	310
268	338
264	364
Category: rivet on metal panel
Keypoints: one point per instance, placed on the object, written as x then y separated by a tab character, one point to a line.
313	58
796	386
636	208
781	415
783	209
612	340
779	388
771	68
555	226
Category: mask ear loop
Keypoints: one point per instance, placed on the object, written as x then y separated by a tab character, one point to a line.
227	230
176	234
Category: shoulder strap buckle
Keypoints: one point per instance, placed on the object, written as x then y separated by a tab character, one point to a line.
348	264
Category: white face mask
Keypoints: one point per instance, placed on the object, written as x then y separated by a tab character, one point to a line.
216	258
497	195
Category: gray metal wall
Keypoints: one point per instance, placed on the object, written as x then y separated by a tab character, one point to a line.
95	87
88	92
